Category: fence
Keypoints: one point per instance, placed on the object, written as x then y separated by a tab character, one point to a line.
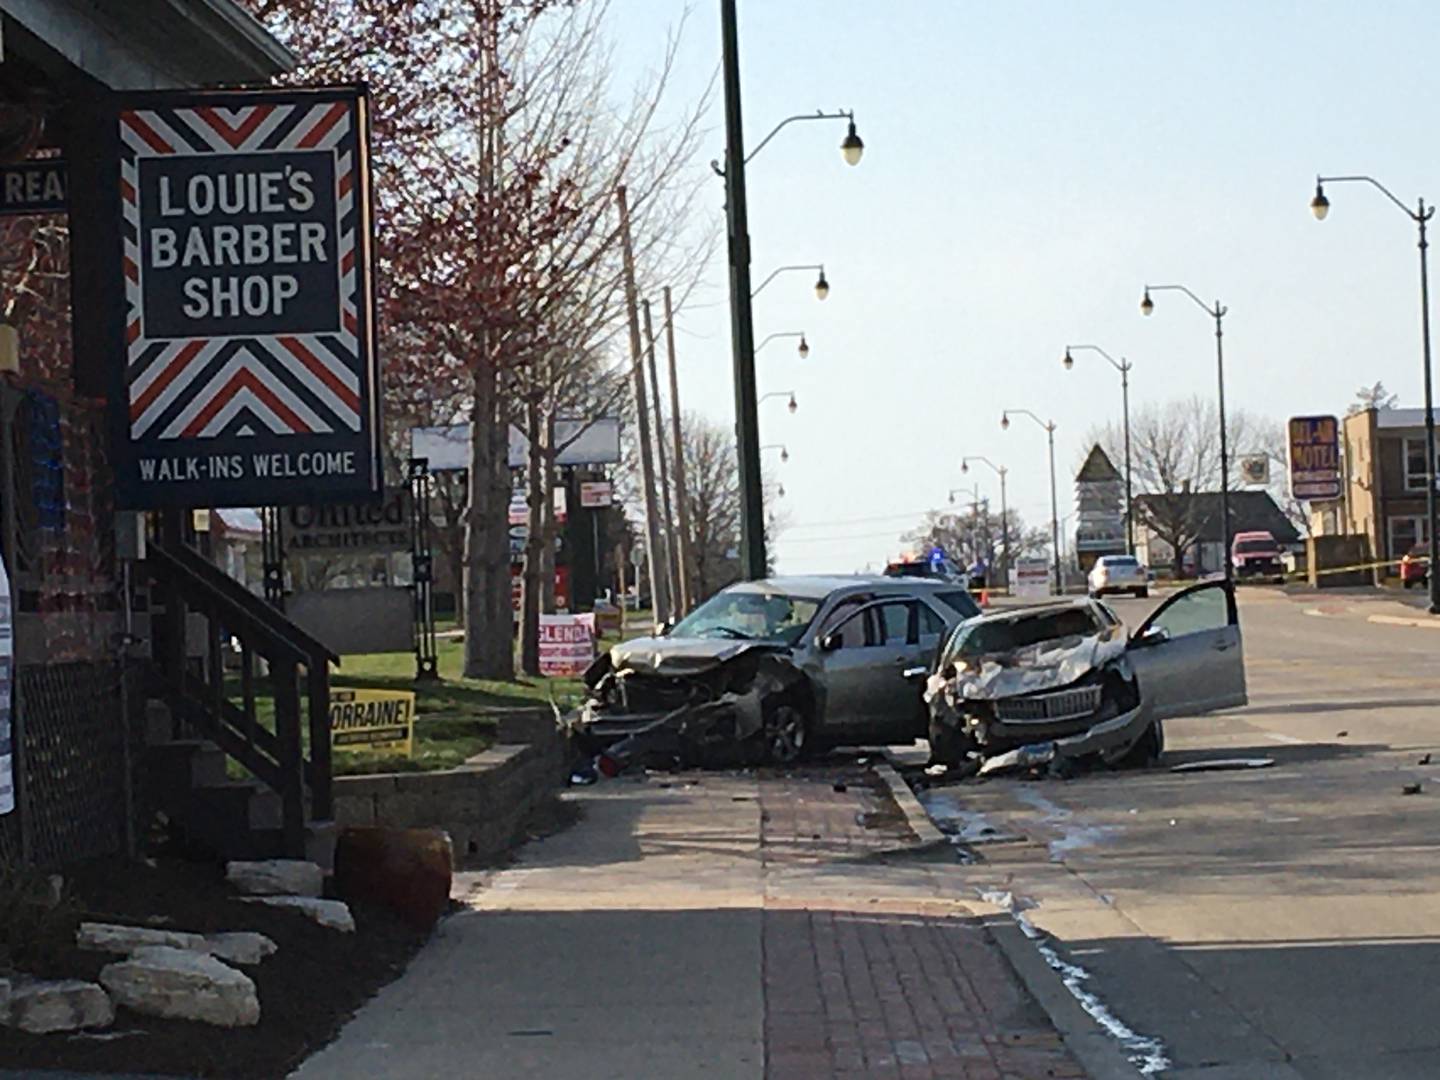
72	742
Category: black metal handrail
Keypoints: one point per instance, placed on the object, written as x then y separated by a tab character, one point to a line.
189	584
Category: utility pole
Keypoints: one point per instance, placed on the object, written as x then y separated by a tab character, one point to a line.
671	559
742	330
658	600
682	503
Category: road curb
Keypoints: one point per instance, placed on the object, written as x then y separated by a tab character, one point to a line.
1402	620
1092	1046
925	830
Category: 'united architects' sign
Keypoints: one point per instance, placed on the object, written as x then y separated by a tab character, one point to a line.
248	374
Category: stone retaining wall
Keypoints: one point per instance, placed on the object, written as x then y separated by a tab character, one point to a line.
484	805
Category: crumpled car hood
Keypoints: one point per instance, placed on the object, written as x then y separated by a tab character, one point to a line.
679	656
1037	669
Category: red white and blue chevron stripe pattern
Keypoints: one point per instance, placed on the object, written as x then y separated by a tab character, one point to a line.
306	384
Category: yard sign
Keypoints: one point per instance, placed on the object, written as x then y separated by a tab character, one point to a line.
248	375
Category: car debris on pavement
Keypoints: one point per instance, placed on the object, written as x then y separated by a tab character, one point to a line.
1223	764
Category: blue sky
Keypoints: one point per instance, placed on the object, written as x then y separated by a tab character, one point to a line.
1028	167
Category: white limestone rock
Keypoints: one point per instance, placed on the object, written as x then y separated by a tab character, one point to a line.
276	877
240	947
183	985
124	940
334	914
42	1006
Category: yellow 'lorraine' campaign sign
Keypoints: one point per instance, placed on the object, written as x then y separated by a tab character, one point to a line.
377	720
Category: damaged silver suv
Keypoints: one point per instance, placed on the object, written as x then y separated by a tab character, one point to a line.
765	671
1061	682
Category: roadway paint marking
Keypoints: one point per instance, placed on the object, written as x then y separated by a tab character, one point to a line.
1275	736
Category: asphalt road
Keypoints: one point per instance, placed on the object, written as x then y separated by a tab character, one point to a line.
1278	923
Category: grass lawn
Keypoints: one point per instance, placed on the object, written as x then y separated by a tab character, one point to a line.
455	718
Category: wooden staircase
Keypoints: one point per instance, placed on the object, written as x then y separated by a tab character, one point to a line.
233	680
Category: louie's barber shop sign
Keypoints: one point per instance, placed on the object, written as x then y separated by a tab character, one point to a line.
247	372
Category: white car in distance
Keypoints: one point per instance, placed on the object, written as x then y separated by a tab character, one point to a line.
1119	573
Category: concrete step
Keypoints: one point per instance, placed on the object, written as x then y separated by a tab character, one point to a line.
204	761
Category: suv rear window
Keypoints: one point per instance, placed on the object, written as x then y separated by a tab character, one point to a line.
959	600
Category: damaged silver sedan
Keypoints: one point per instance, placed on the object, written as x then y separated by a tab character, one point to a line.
767	671
1061	684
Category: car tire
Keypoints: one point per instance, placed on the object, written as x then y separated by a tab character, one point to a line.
787	733
1146	752
947	746
1142	594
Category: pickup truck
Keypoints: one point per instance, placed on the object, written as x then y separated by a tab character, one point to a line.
1256	555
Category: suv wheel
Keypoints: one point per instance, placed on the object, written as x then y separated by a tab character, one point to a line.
787	734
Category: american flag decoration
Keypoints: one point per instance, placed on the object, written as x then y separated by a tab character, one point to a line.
245	258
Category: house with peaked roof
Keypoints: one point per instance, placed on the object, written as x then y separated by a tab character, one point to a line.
1099	510
1195	518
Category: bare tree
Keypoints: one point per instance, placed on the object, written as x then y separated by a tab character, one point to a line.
1374	396
975	531
713	493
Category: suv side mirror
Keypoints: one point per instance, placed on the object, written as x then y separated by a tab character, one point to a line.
830	642
662	629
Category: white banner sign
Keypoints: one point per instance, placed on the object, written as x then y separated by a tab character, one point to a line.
567	644
1032	577
7	668
580	442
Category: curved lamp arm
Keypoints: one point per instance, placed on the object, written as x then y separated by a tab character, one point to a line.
1048	426
818	114
1320	181
782	269
1215	312
1122	365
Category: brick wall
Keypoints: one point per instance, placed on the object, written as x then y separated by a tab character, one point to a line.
485	805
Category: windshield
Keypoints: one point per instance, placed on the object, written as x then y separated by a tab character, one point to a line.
1058	629
746	615
1248	547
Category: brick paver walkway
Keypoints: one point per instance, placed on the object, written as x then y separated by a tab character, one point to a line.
874	985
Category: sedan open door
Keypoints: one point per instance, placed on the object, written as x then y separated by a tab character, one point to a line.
1189	656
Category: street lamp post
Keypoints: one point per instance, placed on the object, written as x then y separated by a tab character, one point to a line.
803	348
822	286
1147	306
742	330
999	471
1123	366
1320	206
1049	427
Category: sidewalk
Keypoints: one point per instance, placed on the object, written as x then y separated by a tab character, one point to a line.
710	926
